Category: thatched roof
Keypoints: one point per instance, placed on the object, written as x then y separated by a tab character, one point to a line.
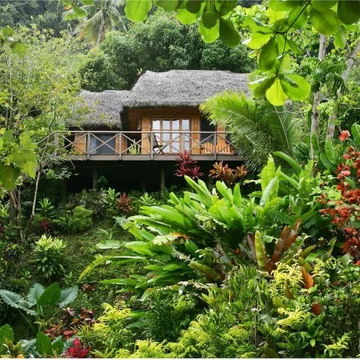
184	88
101	108
174	88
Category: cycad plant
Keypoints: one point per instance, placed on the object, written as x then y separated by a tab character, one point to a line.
256	128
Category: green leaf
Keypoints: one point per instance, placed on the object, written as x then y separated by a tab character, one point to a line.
27	162
258	40
58	348
137	10
16	301
261	256
340	38
168	5
43	345
185	17
209	35
268	55
139	247
87	2
7	31
79	12
227	6
51	295
325	22
268	190
209	19
281	5
228	34
329	150
293	163
67	296
108	244
275	94
349	11
8	176
323	4
297	21
18	47
34	293
260	86
296	87
193	6
6	333
355	133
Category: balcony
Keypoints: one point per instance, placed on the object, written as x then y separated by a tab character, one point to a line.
141	145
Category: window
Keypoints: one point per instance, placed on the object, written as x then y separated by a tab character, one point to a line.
170	135
100	144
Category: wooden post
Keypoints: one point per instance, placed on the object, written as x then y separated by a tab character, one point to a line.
94	178
162	182
63	191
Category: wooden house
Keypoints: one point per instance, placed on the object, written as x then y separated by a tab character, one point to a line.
154	121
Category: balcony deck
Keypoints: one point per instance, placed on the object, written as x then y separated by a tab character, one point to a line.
141	145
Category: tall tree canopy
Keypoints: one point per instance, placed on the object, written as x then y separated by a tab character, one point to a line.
159	44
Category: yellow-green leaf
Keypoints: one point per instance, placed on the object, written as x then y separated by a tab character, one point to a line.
296	87
325	22
137	10
228	34
275	94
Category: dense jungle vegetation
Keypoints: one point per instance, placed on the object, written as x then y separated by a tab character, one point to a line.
259	260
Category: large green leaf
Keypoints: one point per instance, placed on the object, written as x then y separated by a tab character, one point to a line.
18	47
43	345
323	4
267	193
209	35
228	34
168	5
296	87
6	333
281	5
349	11
268	55
67	296
355	132
137	10
8	176
325	22
16	301
261	256
26	160
260	86
51	295
193	6
340	38
275	93
34	293
258	40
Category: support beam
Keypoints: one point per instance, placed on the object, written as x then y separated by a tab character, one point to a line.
162	181
94	178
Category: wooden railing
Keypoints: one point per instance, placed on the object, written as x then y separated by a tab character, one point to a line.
110	145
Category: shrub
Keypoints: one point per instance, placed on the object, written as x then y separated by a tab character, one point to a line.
81	219
186	166
226	174
49	258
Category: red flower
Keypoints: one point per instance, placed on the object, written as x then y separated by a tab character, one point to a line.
76	351
344	135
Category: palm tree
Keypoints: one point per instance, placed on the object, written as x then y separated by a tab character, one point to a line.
104	15
255	128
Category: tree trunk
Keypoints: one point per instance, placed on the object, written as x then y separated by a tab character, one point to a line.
345	76
101	31
314	129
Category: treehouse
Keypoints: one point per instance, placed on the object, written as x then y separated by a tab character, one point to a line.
154	121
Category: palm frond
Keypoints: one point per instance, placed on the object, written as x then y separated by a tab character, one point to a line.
255	128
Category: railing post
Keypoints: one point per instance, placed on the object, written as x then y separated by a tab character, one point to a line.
120	144
215	144
151	146
88	146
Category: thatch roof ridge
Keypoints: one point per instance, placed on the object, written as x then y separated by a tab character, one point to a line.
103	108
183	88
